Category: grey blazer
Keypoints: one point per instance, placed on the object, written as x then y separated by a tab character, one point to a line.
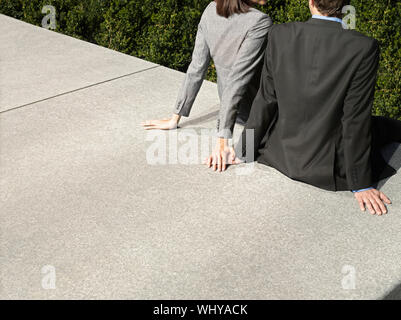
236	45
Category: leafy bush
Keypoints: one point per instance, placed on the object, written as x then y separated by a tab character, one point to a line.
163	31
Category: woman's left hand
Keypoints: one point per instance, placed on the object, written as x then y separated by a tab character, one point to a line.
164	124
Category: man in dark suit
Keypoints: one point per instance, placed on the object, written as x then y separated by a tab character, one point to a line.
311	118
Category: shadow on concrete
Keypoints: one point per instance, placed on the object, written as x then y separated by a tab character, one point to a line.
392	154
199	120
394	294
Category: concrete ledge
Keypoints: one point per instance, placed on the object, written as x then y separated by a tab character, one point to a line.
79	195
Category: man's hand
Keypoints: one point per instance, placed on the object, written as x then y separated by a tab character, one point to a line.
373	200
164	124
222	156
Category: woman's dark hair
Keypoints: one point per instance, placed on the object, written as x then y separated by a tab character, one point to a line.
226	8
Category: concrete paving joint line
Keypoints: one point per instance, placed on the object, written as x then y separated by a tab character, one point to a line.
79	89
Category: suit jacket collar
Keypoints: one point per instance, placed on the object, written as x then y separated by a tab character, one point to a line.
327	23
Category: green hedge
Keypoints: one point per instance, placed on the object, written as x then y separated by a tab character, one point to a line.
163	31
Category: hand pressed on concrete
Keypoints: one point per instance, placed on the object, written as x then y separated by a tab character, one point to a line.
373	200
163	124
221	156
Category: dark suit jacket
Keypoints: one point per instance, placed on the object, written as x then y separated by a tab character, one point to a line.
312	114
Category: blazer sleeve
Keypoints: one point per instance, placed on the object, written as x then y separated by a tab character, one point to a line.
356	121
248	58
263	111
195	75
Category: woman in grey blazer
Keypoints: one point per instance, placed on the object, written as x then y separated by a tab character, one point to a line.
234	35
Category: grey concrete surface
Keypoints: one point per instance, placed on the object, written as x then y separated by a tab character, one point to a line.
78	194
39	63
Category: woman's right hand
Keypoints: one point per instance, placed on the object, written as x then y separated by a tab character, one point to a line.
164	124
222	156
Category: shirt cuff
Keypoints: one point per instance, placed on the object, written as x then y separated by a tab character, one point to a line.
356	191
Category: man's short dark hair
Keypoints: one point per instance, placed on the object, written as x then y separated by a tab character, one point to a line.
331	8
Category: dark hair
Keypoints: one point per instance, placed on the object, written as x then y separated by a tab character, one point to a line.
331	8
226	8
